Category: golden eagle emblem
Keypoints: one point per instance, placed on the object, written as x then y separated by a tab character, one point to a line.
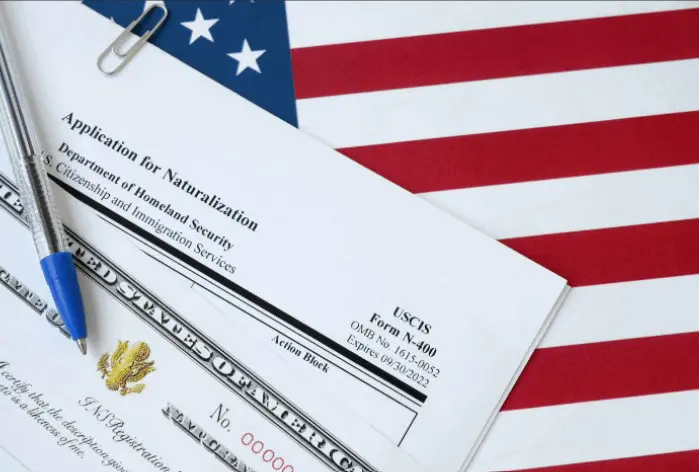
126	366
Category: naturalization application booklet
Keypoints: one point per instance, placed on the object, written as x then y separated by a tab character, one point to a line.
417	321
165	386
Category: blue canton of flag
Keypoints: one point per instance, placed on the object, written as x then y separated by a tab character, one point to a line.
241	44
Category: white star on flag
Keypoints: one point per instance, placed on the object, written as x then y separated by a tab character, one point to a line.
247	58
200	27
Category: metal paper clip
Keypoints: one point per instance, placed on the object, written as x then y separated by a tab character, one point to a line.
127	55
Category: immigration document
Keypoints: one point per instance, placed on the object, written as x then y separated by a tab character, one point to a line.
161	388
9	463
418	322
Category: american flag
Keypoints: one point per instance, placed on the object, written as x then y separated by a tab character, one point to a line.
567	130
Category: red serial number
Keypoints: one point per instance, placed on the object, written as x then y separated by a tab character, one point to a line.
267	455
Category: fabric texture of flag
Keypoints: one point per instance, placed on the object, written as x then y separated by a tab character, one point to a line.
567	130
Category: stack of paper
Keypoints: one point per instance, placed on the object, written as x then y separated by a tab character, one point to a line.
305	306
9	463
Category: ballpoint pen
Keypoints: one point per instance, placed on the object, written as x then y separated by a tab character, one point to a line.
36	197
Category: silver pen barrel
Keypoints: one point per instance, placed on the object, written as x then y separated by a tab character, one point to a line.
26	157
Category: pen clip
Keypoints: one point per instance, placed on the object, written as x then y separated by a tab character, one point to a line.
127	55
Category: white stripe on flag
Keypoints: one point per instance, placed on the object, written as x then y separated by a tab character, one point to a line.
577	203
313	23
592	431
502	104
627	310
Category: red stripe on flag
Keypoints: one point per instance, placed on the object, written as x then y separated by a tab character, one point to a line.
607	370
685	461
535	154
494	53
621	254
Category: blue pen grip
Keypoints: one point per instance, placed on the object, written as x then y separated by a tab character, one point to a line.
62	279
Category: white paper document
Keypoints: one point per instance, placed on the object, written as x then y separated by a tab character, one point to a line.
9	463
169	383
414	320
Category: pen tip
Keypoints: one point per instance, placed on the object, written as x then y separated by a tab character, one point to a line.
82	344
